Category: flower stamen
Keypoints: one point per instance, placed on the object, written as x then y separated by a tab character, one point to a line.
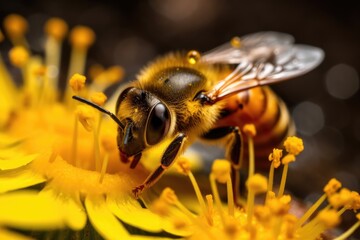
285	161
98	98
184	167
216	196
56	30
351	230
250	131
16	27
81	38
274	157
255	184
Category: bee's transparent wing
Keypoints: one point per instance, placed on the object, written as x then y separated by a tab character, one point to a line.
251	46
262	59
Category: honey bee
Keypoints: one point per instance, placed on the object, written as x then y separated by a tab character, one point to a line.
182	97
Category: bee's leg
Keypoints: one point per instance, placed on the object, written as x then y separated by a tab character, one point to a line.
135	160
234	152
170	154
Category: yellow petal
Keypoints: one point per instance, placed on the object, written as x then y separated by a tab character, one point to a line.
74	213
28	210
105	223
14	161
7	235
129	210
5	139
18	178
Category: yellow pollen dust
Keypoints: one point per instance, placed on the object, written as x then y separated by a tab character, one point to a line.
257	183
270	195
262	213
98	98
77	82
82	37
19	56
250	130
183	165
330	218
344	197
193	56
294	145
332	186
86	117
235	42
15	25
355	201
279	206
221	170
275	156
168	195
57	28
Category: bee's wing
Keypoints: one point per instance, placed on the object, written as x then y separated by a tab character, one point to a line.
251	44
263	58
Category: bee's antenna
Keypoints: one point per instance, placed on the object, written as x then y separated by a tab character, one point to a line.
113	116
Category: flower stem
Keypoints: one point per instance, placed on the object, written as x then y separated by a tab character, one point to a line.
250	205
96	145
104	167
350	231
77	65
217	198
310	211
52	59
283	180
271	177
74	159
197	192
251	156
230	197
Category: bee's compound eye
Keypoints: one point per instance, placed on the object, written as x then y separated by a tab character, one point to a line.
158	124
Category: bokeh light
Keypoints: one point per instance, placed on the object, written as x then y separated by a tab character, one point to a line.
342	81
309	118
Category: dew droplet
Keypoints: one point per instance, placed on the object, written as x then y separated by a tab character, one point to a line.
193	56
235	42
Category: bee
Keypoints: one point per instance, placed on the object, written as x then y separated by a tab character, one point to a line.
182	97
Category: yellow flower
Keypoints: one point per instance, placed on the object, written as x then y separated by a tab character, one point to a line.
56	174
254	217
74	173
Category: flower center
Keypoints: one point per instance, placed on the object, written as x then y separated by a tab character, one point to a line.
50	131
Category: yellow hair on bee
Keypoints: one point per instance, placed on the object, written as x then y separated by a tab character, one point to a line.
191	116
179	59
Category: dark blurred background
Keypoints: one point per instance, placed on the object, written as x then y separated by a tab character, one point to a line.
324	103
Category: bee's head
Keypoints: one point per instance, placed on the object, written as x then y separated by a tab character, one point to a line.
146	121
